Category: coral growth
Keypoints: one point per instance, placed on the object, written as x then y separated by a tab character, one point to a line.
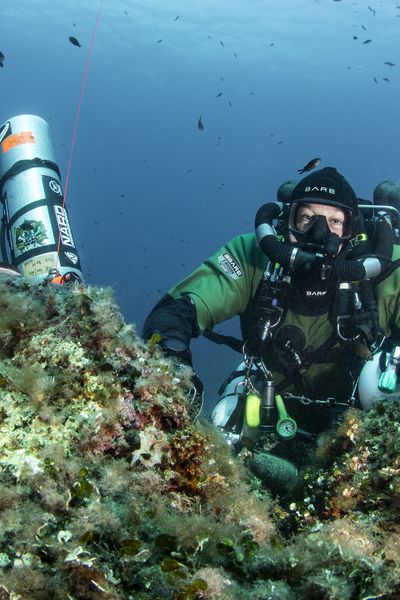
106	487
109	490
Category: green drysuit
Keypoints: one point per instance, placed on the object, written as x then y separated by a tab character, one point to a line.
226	283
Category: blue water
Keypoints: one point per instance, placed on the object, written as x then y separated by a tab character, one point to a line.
295	85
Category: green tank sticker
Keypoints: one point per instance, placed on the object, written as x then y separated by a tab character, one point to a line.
29	235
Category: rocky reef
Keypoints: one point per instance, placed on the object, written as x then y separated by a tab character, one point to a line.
109	490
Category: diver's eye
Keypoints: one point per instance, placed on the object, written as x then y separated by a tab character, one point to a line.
336	223
304	219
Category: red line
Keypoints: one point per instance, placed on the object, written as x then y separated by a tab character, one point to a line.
77	113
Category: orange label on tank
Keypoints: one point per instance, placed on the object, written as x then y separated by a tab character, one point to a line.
25	137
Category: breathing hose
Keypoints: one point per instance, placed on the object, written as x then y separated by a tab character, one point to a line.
294	258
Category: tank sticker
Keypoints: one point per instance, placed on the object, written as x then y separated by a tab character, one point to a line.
64	228
5	130
72	257
39	265
229	265
29	235
55	187
25	137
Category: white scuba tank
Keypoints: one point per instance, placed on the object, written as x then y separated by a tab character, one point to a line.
32	195
223	410
368	391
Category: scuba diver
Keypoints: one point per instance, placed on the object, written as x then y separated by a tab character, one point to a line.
317	288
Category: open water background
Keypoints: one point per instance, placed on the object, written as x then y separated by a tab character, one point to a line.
276	82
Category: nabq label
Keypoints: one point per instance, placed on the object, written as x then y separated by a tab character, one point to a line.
63	226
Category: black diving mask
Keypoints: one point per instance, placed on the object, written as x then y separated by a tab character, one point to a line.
317	237
313	232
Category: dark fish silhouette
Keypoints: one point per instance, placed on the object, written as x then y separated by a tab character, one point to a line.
310	165
222	43
389	64
74	41
219	95
372	10
2	57
375	79
386	79
200	125
355	37
176	18
367	41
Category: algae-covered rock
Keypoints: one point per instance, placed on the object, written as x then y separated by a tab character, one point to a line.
109	490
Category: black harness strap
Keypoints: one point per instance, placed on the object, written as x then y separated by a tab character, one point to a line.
227	340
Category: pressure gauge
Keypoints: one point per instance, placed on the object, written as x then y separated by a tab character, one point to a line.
286	428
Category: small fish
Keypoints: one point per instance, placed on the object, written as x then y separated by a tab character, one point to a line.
176	18
375	79
222	43
74	41
363	26
372	10
200	125
355	37
367	41
2	57
159	41
389	64
219	95
386	79
310	165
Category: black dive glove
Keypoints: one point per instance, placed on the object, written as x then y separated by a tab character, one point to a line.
182	357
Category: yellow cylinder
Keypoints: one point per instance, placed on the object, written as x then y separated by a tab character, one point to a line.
252	410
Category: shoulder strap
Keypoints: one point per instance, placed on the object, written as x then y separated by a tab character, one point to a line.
388	271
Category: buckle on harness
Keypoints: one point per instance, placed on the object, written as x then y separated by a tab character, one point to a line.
361	237
342	324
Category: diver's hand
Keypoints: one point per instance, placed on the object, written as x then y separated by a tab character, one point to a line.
182	359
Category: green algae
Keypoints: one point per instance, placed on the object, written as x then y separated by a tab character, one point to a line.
107	490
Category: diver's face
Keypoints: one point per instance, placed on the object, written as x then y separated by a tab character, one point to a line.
334	216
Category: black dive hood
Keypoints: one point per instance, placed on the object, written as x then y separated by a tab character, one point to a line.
295	258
